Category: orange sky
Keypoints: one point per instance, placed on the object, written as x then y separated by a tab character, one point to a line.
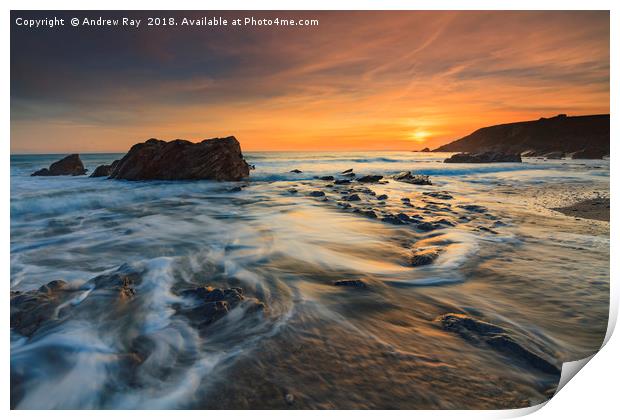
359	81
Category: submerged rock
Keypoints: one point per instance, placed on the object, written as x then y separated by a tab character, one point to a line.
351	283
409	178
218	159
104	170
441	195
327	178
474	208
296	171
369	213
317	194
69	165
382	197
485	157
210	304
342	181
427	226
424	257
352	197
477	331
31	310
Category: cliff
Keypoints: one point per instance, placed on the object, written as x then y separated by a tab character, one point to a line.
580	137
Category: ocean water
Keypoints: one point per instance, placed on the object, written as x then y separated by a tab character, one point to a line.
541	276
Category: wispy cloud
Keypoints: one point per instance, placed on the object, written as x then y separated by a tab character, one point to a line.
360	80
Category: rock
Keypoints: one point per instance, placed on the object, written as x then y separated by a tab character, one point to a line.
104	170
351	283
498	338
370	178
317	194
427	226
289	398
473	208
424	257
292	190
344	205
210	304
326	178
405	218
32	310
369	213
413	179
218	159
348	171
405	200
342	181
390	218
382	197
425	150
485	157
69	165
441	195
352	197
296	171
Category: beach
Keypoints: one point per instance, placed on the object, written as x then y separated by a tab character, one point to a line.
469	292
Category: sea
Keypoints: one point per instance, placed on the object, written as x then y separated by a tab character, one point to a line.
504	259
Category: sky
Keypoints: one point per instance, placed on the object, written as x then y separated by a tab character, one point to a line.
357	81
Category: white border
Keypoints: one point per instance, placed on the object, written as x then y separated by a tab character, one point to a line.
592	395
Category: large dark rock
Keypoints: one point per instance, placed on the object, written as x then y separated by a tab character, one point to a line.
69	165
218	159
588	135
485	157
104	170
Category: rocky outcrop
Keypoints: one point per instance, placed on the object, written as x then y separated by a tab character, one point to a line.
485	157
210	304
218	159
583	135
413	179
69	165
32	310
496	337
104	170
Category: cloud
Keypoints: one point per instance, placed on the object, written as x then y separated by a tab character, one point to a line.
356	80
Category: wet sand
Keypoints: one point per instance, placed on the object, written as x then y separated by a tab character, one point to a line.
594	209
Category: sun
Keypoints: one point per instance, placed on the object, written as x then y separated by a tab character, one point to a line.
419	135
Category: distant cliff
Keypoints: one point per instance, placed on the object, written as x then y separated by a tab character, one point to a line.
584	137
